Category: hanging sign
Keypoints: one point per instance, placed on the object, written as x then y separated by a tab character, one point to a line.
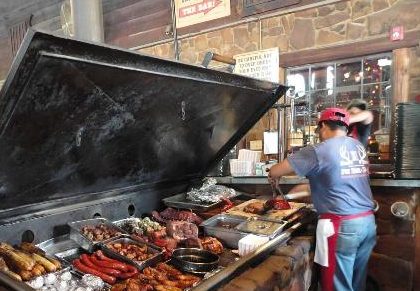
189	12
263	64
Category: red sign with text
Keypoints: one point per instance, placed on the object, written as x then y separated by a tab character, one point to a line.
397	33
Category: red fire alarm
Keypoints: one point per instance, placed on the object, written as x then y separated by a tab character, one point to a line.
397	33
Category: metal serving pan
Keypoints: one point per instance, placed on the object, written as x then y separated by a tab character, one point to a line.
217	226
71	254
82	240
122	222
181	201
262	227
156	258
195	260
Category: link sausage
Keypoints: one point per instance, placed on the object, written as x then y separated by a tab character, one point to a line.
85	259
85	269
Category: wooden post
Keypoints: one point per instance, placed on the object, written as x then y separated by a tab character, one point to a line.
401	82
401	75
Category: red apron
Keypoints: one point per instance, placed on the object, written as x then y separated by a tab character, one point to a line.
327	273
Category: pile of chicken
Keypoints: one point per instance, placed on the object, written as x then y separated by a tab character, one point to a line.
25	262
161	278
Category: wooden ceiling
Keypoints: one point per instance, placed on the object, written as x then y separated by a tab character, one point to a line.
127	23
134	22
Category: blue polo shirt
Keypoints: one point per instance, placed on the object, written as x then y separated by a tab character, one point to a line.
338	173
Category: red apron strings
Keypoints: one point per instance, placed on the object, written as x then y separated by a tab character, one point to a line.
327	273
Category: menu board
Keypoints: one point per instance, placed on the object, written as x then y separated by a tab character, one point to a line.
262	64
189	12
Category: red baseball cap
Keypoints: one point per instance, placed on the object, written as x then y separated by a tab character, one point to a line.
335	114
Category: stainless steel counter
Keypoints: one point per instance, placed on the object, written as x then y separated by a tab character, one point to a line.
291	180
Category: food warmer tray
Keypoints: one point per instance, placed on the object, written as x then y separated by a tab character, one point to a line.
180	201
228	234
82	240
158	253
262	227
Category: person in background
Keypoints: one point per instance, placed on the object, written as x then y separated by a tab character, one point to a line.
337	170
360	120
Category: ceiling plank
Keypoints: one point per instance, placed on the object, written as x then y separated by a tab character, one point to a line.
143	7
143	23
140	38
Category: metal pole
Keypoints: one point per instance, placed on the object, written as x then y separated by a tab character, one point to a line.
280	133
88	19
174	29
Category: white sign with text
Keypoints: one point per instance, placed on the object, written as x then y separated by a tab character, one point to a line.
263	64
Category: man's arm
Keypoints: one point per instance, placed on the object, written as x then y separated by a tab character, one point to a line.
365	117
300	188
281	169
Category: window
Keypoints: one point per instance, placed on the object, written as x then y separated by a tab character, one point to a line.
335	84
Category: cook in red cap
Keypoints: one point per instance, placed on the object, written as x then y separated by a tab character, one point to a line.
338	174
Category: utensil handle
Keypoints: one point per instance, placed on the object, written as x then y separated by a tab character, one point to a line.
297	195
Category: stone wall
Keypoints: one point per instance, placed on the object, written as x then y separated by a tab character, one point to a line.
344	22
288	268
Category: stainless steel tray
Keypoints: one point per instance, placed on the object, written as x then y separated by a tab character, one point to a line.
230	236
181	201
262	227
71	254
57	245
82	240
156	258
120	224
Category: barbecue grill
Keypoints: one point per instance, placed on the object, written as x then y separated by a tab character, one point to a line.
89	130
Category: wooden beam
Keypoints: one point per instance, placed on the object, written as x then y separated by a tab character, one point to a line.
133	11
149	36
401	75
137	25
349	50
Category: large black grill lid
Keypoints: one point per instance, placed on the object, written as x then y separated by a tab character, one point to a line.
79	118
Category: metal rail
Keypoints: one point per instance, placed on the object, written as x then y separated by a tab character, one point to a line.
298	180
12	284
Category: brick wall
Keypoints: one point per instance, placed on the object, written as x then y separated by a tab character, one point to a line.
288	268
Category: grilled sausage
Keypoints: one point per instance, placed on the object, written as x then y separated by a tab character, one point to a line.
18	262
31	248
85	269
26	275
56	263
91	263
50	267
104	261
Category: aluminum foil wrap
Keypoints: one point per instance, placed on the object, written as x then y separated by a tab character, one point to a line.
210	192
66	281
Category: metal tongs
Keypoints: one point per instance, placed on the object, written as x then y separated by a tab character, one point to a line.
275	187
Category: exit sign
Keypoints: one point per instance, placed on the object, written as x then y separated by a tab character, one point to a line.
397	33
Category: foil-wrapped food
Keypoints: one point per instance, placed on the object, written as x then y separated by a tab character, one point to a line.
210	193
66	281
